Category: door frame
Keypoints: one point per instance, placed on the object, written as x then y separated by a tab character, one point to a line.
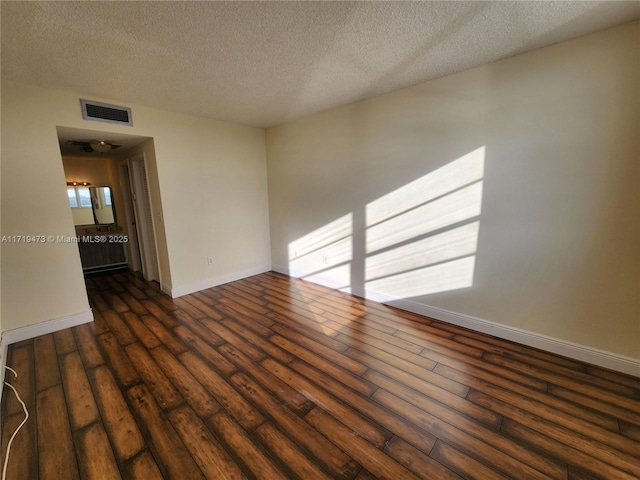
133	248
145	227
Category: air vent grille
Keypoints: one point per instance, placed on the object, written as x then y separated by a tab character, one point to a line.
103	112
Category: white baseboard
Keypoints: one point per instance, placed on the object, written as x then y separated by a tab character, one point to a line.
319	279
3	363
43	328
594	356
35	330
165	288
181	290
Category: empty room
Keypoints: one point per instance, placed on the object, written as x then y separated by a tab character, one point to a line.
320	240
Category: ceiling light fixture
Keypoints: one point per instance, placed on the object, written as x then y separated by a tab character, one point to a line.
100	146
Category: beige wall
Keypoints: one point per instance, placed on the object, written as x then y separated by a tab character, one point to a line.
82	216
40	281
90	169
507	193
214	199
216	169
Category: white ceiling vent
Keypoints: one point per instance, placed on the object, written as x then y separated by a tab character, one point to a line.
103	112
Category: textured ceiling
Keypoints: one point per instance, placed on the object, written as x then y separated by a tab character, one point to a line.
266	63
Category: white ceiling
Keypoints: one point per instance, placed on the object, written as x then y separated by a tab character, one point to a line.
266	63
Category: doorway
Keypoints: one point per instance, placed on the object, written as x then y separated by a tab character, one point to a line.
123	169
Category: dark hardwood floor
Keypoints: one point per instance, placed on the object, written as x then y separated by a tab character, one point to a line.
274	378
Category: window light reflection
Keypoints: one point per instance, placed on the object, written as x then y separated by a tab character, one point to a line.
420	239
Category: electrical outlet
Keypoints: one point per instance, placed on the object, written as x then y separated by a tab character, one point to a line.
210	260
325	259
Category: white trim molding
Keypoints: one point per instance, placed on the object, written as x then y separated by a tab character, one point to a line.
165	288
43	328
181	290
313	278
594	356
4	348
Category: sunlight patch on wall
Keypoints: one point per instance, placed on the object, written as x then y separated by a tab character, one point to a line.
453	208
327	251
458	242
424	281
422	238
419	239
338	277
462	171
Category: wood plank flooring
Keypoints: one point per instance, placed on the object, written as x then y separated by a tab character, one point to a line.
276	378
